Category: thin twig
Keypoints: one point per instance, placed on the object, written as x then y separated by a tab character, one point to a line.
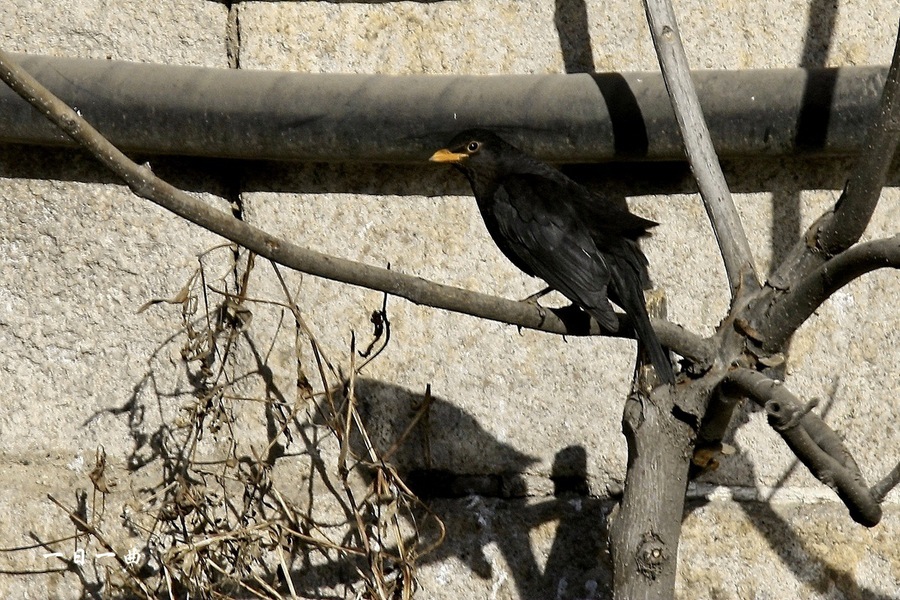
421	412
415	289
890	481
723	215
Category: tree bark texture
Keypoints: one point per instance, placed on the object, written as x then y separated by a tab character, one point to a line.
646	527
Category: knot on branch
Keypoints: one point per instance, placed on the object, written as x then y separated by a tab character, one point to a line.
651	555
787	416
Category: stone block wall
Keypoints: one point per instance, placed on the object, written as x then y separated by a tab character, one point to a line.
512	412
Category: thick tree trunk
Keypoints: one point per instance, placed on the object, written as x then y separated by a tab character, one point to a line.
646	526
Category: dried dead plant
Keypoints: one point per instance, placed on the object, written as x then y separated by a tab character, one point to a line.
218	522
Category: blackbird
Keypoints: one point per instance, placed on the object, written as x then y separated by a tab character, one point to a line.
551	227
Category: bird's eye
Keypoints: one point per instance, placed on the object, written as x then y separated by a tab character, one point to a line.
473	147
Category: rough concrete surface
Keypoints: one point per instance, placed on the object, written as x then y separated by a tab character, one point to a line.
512	412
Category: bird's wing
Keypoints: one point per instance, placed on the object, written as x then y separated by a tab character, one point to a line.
614	230
587	255
603	216
544	232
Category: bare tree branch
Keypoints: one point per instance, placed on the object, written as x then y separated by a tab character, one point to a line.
856	205
815	444
415	289
890	481
723	215
791	309
840	228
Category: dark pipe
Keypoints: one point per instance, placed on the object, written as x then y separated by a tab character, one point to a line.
158	109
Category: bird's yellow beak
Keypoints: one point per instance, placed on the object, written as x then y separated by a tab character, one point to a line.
445	156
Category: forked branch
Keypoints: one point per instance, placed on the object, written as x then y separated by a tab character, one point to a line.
791	309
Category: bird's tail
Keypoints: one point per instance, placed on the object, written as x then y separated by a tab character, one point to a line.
659	358
631	298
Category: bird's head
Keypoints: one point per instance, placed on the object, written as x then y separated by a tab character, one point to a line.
480	154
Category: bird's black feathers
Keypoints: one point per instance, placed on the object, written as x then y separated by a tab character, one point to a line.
551	227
